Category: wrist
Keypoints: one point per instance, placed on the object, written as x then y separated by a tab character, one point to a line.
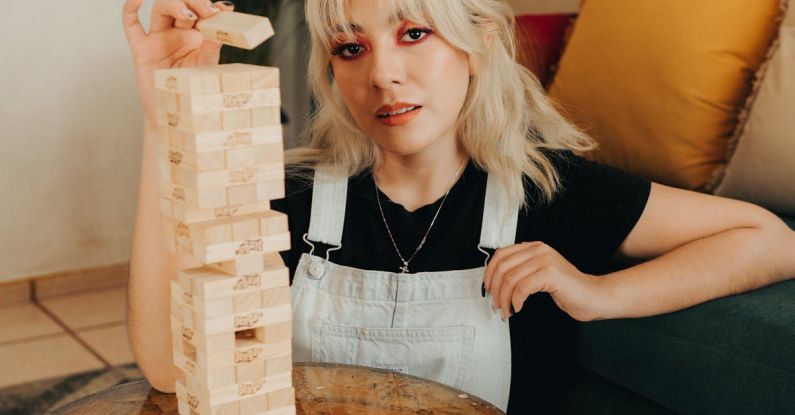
609	293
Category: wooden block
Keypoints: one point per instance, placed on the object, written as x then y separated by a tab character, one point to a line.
166	207
264	77
190	123
235	80
275	296
273	222
276	332
242	194
250	371
268	153
223	178
227	251
246	302
184	334
215	232
200	105
235	120
266	116
281	398
189	404
242	265
199	199
279	365
209	283
270	190
224	140
197	161
236	29
246	227
255	405
187	81
243	320
202	307
185	214
243	156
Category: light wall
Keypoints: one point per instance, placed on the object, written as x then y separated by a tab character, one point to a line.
70	127
544	6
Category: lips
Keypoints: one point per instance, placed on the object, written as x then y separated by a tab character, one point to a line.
397	114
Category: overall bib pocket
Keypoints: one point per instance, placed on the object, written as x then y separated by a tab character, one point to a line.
441	354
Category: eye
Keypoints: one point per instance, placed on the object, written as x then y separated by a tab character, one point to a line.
347	50
415	34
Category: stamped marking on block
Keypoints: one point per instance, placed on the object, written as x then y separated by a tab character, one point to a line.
223	37
226	211
243	322
250	388
250	245
190	366
187	333
178	194
173	119
193	401
242	175
248	356
238	138
237	100
187	298
251	280
183	230
171	83
175	157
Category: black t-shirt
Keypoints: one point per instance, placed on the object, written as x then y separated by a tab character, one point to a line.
593	212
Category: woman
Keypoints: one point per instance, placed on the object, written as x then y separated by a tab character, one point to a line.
430	149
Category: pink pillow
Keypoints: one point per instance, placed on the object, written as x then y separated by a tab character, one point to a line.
540	39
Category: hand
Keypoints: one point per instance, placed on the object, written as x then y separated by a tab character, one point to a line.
518	271
172	41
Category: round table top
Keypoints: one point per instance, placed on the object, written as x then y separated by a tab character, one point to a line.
320	388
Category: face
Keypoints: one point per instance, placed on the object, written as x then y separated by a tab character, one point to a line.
399	66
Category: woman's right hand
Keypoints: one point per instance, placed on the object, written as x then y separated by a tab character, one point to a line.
172	42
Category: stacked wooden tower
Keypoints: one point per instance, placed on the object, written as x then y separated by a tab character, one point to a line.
221	162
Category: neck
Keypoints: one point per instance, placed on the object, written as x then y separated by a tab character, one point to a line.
420	179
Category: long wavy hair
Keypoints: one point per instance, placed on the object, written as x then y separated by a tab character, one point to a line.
506	120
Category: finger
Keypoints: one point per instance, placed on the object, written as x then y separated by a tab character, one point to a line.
205	8
210	53
511	280
496	259
532	284
132	24
504	260
225	5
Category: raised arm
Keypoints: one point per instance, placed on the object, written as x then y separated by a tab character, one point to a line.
171	42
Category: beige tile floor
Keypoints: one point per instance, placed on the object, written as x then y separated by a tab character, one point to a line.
62	335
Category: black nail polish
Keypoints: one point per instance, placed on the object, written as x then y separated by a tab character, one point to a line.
483	290
228	3
512	310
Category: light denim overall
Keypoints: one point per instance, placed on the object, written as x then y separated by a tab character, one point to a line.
435	325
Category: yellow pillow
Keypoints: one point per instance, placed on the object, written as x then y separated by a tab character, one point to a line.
658	83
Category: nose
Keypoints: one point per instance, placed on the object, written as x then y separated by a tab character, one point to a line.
387	69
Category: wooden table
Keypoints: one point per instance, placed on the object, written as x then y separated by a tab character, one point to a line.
320	388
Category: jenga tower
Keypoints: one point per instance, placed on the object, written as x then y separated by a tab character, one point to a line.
221	163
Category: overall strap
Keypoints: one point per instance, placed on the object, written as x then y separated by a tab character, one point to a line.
327	217
498	228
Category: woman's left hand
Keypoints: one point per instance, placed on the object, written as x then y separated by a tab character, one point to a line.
518	271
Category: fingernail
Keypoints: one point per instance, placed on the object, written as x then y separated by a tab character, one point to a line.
214	7
512	310
483	290
228	3
189	14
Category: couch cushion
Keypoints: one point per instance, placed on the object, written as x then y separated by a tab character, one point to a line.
734	355
761	170
659	83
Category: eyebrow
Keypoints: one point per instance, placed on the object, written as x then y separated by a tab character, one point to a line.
356	28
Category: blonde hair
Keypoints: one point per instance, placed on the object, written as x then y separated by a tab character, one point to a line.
506	119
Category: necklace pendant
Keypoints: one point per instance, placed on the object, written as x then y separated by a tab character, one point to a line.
405	268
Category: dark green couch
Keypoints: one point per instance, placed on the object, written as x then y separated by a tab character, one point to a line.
734	355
